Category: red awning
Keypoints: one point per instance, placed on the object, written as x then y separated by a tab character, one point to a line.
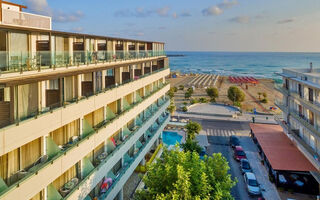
279	149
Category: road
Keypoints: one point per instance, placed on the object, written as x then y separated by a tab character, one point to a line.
218	133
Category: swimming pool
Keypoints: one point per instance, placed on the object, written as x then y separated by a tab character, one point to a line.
171	137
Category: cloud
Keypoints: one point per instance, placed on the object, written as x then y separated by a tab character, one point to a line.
285	21
42	7
227	4
185	14
212	11
77	29
219	8
60	16
163	12
240	19
141	12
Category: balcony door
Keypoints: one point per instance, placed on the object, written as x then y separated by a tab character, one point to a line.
311	118
300	90
300	110
43	53
310	94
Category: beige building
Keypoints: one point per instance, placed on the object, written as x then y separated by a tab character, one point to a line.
301	111
78	112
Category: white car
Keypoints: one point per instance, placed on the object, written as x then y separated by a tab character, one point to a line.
252	184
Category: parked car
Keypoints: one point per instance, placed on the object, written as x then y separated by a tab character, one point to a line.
239	153
252	184
234	141
245	166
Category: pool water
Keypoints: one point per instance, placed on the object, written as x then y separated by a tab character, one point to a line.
171	137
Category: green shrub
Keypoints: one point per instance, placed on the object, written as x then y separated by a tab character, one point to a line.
184	109
181	87
264	100
203	100
238	104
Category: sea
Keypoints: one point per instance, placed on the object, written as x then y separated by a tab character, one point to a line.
256	64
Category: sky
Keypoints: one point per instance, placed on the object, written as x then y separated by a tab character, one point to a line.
193	25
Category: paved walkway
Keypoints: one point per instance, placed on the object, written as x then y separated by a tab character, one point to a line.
269	190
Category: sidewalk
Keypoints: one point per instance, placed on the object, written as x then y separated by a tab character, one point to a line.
269	191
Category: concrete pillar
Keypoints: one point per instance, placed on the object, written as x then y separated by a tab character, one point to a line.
70	48
118	74
81	125
103	75
42	95
79	85
131	70
142	68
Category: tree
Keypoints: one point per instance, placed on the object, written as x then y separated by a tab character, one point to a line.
191	145
259	94
193	128
203	100
190	90
184	108
212	93
171	93
193	101
264	95
171	108
235	94
187	95
180	175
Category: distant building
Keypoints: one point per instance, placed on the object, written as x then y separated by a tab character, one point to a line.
301	111
78	112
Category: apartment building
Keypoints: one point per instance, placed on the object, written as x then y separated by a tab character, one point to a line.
301	111
78	112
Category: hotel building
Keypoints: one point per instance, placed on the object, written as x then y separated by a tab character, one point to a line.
78	113
301	111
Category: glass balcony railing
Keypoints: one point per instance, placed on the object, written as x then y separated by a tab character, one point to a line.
105	160
71	102
124	169
36	61
306	122
35	169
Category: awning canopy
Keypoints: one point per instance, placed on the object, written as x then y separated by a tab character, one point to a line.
279	149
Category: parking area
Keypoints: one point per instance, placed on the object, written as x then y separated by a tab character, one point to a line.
218	134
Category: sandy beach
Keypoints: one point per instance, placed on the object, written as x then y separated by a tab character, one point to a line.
251	93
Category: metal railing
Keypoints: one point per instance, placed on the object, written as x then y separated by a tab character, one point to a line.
17	18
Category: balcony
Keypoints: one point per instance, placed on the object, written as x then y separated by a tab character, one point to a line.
95	176
42	123
312	105
281	89
64	159
127	170
44	61
22	19
305	122
281	105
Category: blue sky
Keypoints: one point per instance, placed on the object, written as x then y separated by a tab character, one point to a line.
196	25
